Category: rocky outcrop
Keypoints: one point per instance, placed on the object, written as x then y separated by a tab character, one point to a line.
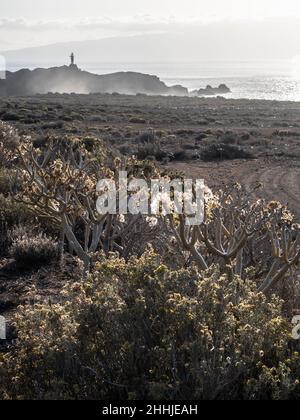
210	91
70	79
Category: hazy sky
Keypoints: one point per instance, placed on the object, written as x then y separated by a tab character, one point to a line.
27	23
76	9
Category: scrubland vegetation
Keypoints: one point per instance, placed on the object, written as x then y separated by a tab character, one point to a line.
136	307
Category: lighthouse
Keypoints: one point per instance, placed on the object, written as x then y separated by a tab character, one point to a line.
73	66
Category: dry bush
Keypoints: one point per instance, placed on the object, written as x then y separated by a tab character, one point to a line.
10	182
137	120
149	145
141	330
10	116
151	151
11	214
225	151
9	141
30	249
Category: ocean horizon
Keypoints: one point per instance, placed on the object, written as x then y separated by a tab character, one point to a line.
265	80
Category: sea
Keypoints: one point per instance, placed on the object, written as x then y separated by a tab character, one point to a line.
264	79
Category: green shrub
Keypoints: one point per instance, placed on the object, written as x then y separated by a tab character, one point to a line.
30	250
140	330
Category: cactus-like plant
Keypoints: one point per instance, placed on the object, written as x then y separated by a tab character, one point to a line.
235	227
60	185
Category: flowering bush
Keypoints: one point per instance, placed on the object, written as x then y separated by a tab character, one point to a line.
140	330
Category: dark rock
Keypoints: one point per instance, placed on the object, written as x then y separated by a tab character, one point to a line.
210	91
70	79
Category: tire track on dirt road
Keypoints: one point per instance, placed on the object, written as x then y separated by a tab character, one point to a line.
280	180
280	183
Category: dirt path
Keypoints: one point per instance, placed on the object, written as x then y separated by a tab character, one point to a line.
280	180
281	183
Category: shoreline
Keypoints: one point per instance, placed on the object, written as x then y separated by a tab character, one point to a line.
66	79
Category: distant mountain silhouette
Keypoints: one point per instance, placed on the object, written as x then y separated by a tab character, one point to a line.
69	79
228	40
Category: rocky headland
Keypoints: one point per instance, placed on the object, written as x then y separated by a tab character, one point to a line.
70	79
211	91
